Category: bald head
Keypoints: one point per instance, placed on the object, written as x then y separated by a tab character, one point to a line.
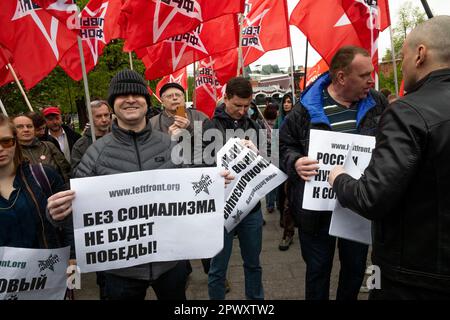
426	49
435	35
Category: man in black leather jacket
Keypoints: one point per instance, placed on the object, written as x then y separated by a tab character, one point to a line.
405	190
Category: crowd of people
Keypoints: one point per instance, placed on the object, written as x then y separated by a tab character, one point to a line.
404	190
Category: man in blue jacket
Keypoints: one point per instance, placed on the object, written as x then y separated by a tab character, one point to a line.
343	101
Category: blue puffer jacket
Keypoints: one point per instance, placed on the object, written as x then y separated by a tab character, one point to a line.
294	143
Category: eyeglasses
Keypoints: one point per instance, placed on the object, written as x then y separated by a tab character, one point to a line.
175	94
7	142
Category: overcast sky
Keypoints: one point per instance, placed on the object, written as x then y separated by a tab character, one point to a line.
281	57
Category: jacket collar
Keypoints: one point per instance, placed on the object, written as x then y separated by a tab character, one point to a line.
429	77
128	136
312	100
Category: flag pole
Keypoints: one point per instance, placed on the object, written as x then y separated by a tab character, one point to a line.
291	56
194	97
2	106
153	93
187	80
394	63
11	69
427	8
241	57
86	89
131	60
372	51
306	64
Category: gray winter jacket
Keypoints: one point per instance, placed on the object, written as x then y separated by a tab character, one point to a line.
127	151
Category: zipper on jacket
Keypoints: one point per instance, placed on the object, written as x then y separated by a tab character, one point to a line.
140	169
137	150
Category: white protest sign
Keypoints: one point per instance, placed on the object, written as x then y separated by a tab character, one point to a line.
344	222
254	178
330	149
33	274
133	218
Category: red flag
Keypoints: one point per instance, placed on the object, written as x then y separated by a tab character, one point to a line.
365	18
65	11
207	39
5	75
99	25
313	73
329	27
148	22
384	13
207	88
36	39
179	77
225	65
265	28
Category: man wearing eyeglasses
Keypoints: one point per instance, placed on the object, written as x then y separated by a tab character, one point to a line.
173	97
176	117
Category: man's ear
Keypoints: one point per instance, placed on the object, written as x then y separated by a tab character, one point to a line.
421	54
340	77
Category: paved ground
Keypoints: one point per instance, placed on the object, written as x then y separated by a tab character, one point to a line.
283	271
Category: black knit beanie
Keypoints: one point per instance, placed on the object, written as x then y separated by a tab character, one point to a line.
170	85
127	82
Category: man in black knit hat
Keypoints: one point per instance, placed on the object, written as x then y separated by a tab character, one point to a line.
133	146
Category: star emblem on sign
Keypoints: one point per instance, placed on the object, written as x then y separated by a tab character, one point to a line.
182	42
237	216
188	8
251	32
98	35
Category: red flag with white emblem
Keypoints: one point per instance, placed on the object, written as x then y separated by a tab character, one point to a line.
36	39
330	26
98	26
179	77
149	22
179	51
265	28
208	90
65	11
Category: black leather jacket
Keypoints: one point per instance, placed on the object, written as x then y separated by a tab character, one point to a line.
405	189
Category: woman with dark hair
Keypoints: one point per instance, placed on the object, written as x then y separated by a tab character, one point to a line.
270	116
285	107
24	190
286	218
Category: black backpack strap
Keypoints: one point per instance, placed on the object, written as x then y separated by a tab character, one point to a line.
41	178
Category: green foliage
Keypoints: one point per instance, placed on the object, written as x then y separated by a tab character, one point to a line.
389	80
409	18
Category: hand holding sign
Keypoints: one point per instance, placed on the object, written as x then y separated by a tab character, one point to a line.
228	177
306	168
249	144
60	204
334	173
